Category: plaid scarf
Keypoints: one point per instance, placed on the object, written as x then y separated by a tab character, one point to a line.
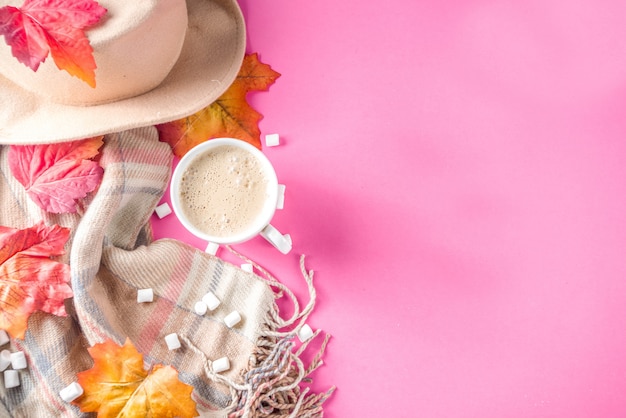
111	254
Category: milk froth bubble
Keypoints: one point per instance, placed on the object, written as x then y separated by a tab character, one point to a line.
223	191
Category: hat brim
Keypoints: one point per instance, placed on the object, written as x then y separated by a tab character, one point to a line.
209	62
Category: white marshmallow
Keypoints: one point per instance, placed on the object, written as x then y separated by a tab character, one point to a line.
280	204
200	308
211	248
5	359
11	379
211	301
4	337
145	295
232	319
18	360
172	341
221	365
163	210
271	140
71	392
247	267
305	333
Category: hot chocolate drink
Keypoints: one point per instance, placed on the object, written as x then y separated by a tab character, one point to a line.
223	191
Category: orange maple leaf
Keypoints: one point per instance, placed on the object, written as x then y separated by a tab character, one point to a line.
30	280
57	27
229	116
118	386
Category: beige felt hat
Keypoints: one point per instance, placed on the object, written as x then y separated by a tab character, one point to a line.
157	61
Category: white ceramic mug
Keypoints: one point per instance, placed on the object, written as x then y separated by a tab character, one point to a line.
225	191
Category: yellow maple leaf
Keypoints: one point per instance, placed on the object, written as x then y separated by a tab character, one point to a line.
229	116
118	386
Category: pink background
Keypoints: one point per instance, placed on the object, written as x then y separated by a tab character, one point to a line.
456	175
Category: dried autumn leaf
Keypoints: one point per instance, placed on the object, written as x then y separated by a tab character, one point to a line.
54	26
55	176
118	386
229	116
30	280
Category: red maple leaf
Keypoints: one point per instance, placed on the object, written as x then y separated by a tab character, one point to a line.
55	26
55	176
30	280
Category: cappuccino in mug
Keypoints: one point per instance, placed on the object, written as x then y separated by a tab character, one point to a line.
225	191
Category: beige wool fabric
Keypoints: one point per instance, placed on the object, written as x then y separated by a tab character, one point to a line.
209	61
111	255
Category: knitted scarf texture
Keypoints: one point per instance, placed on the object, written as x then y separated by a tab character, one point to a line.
111	255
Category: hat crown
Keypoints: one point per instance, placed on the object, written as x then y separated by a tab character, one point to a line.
135	45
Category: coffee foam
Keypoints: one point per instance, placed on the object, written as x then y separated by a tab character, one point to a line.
223	191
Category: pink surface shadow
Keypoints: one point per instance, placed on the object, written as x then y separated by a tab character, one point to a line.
455	175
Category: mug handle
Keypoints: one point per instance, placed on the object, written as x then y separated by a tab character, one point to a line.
277	239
